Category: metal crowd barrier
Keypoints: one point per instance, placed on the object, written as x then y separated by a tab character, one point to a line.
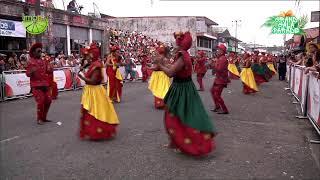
306	90
15	84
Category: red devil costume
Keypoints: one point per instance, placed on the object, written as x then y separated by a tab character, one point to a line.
38	71
221	81
200	68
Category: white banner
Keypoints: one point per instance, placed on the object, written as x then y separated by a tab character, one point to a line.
12	28
292	71
297	80
60	78
287	73
17	84
314	98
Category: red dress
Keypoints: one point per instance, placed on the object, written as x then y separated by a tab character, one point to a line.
187	139
115	84
90	127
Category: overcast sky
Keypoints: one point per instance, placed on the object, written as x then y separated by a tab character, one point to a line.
251	13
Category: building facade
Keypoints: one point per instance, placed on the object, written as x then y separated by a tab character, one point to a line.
67	32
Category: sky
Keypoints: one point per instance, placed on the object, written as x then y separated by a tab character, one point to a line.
251	13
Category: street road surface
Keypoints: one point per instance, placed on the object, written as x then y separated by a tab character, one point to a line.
260	139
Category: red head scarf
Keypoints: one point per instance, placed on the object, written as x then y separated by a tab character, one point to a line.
95	51
222	47
183	40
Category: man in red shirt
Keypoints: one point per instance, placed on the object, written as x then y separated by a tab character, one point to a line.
144	70
37	70
200	68
221	80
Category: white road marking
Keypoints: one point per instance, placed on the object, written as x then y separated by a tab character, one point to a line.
9	139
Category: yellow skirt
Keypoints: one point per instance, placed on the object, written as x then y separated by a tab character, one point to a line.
159	84
95	100
233	69
271	67
247	78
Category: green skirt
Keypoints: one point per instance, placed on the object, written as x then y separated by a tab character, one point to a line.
183	101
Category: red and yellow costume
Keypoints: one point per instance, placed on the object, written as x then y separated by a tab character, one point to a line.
144	69
52	84
98	117
270	64
187	123
221	80
38	71
200	68
233	70
115	79
159	84
247	77
257	69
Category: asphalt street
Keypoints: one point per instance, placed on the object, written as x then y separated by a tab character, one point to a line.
260	139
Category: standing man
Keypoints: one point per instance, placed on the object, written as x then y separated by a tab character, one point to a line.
282	67
221	80
37	70
144	62
200	68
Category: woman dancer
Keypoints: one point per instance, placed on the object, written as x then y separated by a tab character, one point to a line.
98	117
233	70
187	123
247	77
159	82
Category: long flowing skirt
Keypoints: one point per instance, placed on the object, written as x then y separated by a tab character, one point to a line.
159	85
271	67
249	83
98	117
267	72
187	123
233	71
259	74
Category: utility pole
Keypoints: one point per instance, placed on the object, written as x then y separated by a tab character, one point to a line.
236	33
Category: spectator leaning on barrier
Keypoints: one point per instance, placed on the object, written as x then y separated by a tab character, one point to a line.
315	54
2	62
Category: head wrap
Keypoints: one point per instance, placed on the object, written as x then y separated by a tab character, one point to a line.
222	48
95	51
183	40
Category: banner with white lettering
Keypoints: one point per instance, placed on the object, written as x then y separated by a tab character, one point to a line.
292	72
304	89
12	28
17	84
297	82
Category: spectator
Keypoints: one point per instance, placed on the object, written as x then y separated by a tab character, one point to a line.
315	54
2	63
24	55
12	62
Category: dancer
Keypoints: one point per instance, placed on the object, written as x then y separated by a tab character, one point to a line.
186	120
266	71
159	82
98	118
270	64
52	84
221	81
233	70
247	77
38	70
144	69
200	68
257	69
115	79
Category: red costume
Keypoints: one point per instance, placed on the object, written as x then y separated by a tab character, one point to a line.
200	68
221	80
144	69
232	59
37	70
52	84
115	82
